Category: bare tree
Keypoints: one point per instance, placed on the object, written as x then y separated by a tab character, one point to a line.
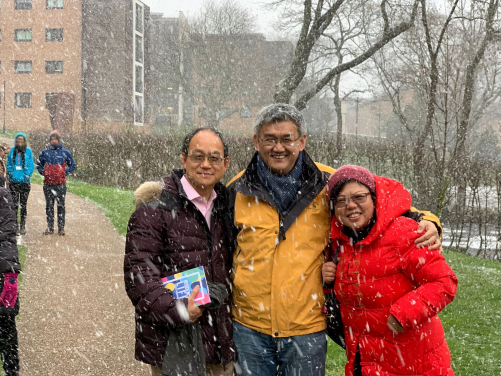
439	64
341	41
490	34
316	17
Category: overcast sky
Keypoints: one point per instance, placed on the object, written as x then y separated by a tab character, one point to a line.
171	8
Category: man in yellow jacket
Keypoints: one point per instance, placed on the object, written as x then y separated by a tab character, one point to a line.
282	221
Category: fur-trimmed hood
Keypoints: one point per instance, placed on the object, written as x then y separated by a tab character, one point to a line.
148	192
165	191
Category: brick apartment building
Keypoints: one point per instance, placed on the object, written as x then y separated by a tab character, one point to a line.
73	64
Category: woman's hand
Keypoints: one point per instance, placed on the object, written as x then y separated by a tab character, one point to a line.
394	325
329	272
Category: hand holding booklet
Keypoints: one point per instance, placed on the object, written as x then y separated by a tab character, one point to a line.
182	284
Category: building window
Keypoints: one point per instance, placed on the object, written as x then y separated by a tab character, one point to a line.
53	35
245	113
50	97
138	67
23	4
139	18
138	110
22	100
22	66
139	49
139	79
22	35
53	67
54	4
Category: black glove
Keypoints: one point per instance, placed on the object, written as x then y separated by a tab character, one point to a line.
218	294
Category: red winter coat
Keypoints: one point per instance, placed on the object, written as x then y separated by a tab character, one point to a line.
386	274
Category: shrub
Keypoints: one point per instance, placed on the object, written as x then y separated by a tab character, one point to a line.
470	212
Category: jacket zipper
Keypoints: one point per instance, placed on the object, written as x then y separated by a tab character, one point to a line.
208	236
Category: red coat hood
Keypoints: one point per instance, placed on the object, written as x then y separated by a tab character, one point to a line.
392	200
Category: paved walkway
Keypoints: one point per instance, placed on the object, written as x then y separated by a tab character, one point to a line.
75	317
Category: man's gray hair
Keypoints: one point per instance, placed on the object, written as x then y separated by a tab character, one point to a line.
277	113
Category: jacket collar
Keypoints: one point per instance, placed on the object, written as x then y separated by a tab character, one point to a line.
311	173
173	195
313	181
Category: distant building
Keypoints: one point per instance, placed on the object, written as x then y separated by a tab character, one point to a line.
375	117
73	64
179	101
169	40
366	118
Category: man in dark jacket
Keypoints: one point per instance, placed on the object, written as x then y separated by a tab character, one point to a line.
55	163
178	225
9	271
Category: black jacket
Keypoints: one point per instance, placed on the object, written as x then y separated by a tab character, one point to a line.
9	255
170	235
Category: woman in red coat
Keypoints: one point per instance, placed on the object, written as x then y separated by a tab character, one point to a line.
390	292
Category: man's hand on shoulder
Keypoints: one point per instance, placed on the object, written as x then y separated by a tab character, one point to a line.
430	238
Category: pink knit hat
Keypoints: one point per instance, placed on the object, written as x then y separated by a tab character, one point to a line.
347	173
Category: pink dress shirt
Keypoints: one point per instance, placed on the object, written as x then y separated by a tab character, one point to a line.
205	207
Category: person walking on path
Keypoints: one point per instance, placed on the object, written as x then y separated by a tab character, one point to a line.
20	167
179	224
281	225
55	163
390	291
9	271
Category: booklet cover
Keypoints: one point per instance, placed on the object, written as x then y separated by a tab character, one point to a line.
182	284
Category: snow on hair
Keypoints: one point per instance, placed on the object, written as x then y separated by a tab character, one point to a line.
276	113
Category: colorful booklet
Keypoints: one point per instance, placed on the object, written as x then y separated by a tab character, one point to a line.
182	284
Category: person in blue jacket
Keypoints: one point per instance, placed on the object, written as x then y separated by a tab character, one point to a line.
20	167
55	163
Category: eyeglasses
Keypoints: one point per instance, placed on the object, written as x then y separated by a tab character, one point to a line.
284	141
357	199
214	159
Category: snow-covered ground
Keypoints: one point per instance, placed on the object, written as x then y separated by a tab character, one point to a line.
486	245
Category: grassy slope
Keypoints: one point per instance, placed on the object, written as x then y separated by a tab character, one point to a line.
472	322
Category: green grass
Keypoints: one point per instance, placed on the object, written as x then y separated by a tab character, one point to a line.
22	258
336	360
472	322
117	204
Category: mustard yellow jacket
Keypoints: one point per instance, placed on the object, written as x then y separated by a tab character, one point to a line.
277	283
